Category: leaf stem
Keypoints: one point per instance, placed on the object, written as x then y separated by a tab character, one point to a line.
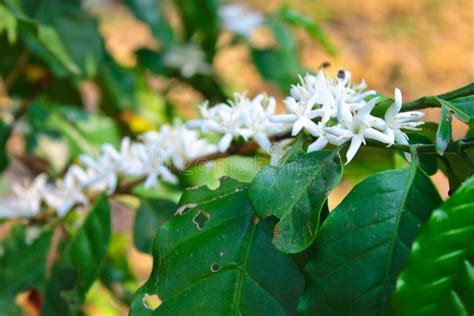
430	101
428	149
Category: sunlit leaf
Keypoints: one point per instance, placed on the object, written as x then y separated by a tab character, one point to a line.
365	241
439	276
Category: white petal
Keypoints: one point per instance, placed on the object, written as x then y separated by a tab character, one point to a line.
319	144
167	175
344	115
111	182
362	96
263	141
393	110
284	118
150	181
368	107
315	113
297	126
376	135
224	143
353	148
310	126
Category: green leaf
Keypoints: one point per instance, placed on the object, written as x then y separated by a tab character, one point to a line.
201	23
8	23
439	276
44	42
151	12
151	214
364	242
80	263
464	109
4	135
297	18
285	55
118	86
117	274
295	192
85	132
74	27
22	265
217	259
428	163
443	135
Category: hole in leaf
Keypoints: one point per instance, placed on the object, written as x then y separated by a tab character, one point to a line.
200	219
151	302
215	267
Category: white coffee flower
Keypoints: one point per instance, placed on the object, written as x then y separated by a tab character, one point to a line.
395	121
241	117
65	194
239	19
103	169
189	59
357	126
25	200
184	144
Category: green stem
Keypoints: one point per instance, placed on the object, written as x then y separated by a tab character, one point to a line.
431	102
428	149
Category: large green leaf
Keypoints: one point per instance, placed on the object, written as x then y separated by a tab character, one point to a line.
364	242
295	192
80	263
151	214
217	259
439	276
22	265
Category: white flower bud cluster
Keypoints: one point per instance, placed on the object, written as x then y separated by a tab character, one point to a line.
241	117
150	157
335	111
239	19
332	110
189	59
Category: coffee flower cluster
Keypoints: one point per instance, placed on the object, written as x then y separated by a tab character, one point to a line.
332	110
150	157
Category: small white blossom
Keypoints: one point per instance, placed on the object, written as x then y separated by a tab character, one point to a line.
241	117
357	126
239	19
65	194
189	59
25	200
103	169
395	121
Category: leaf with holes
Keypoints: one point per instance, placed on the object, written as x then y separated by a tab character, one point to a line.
22	264
439	276
364	242
295	192
151	214
80	263
215	257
